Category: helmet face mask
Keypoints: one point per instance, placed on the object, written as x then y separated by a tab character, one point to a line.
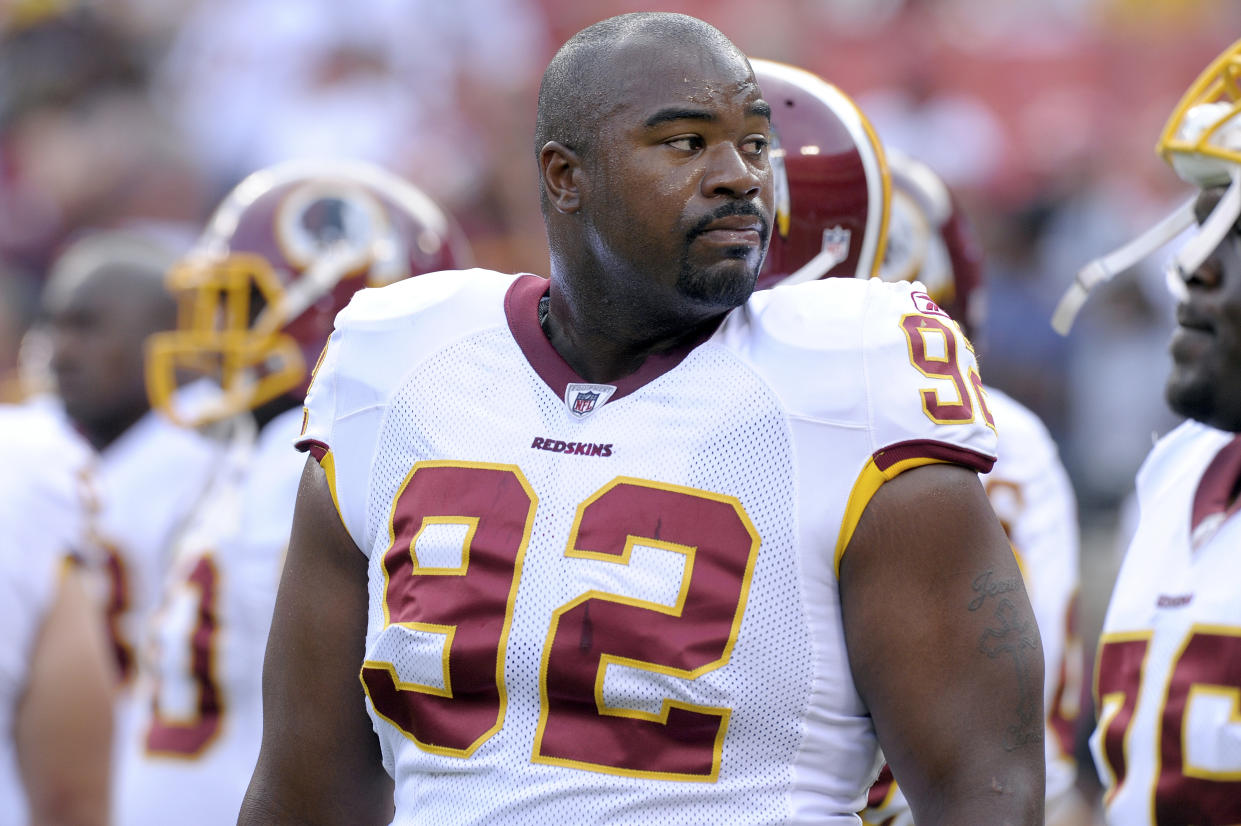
1202	143
831	184
1202	138
280	257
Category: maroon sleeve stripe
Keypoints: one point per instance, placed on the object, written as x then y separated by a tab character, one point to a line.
314	447
930	449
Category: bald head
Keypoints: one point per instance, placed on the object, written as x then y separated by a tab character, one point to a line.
578	85
105	295
125	261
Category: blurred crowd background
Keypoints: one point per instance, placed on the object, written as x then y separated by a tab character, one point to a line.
1042	114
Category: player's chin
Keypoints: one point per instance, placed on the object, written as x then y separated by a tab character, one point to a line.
1190	394
724	283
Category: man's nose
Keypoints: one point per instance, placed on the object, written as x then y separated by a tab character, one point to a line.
730	174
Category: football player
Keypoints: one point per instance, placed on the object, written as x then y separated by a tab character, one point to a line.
279	257
639	544
56	681
1168	667
104	296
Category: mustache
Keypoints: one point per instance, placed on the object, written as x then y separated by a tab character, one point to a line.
727	210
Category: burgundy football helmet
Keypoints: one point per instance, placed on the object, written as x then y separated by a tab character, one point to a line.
832	185
279	258
931	240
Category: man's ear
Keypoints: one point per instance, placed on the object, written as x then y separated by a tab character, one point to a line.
561	169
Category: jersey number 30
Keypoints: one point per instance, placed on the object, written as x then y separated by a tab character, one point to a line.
472	605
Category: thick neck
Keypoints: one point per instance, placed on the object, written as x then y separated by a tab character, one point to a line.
521	309
600	353
607	335
103	433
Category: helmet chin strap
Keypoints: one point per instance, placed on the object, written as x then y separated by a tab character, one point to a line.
319	278
1184	263
817	267
1116	262
1213	231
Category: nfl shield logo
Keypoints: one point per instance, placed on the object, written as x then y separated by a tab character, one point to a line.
583	399
836	242
584	403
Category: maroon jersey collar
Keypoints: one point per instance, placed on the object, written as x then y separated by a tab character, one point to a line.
521	307
1217	484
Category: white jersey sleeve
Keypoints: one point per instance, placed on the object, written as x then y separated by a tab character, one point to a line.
878	359
357	370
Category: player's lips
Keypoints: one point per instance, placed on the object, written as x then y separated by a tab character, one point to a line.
1189	318
734	230
1194	332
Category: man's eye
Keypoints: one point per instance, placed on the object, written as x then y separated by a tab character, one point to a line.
686	143
756	146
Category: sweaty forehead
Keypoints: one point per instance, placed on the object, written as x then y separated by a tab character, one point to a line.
645	74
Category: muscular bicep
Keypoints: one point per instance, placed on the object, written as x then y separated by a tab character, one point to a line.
320	761
945	650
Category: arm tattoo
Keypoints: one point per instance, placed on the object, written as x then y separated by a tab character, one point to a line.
1012	636
984	586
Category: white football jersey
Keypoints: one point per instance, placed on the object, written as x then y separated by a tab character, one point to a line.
187	755
618	603
149	480
1031	493
42	524
1168	669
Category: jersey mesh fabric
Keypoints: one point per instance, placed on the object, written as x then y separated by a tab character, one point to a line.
771	429
478	400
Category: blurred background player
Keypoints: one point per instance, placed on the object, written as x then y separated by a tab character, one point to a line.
849	209
1168	670
56	681
279	258
105	296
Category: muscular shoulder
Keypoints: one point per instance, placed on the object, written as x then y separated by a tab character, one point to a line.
386	330
449	292
865	354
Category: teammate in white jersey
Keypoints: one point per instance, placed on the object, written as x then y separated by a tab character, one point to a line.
105	295
279	257
55	679
1168	670
655	549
